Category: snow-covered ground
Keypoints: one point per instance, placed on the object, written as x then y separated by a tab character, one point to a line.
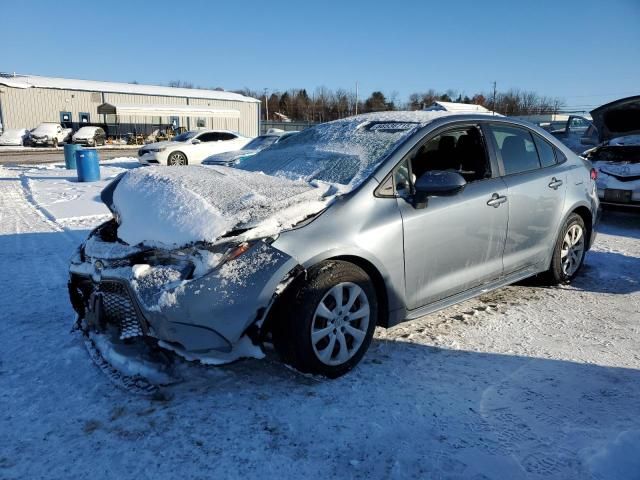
526	382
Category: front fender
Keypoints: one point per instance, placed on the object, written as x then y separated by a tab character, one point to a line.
226	301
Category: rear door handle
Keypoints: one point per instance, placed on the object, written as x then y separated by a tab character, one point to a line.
555	183
496	200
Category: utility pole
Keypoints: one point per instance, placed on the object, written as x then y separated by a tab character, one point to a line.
493	109
266	104
356	97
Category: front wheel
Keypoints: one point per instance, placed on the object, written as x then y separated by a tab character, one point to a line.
328	325
569	252
177	159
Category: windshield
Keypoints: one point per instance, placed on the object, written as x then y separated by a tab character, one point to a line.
260	142
344	151
183	137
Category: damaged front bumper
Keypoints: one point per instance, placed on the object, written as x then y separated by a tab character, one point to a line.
171	303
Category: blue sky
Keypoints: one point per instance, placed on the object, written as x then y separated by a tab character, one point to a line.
586	52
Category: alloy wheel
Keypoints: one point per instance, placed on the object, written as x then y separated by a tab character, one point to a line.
177	159
340	323
572	250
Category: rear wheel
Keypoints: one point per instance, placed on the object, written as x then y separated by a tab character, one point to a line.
328	323
569	252
176	159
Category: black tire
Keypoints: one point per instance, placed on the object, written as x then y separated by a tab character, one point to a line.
293	328
176	159
557	273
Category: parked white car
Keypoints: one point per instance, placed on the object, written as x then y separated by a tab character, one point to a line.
50	133
15	136
191	147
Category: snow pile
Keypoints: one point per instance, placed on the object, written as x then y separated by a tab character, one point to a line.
169	207
77	205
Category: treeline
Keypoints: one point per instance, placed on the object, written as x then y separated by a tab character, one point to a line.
325	104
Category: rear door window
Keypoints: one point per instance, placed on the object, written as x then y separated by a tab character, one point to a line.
516	148
208	137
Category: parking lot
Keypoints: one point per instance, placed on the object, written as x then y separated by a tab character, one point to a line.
525	382
43	155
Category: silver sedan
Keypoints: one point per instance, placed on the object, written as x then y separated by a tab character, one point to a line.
427	210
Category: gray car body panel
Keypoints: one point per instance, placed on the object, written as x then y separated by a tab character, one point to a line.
455	248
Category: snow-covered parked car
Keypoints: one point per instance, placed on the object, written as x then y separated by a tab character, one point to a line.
617	157
191	147
15	137
50	134
249	150
313	242
90	136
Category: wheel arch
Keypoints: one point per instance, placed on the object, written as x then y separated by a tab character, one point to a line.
587	218
299	274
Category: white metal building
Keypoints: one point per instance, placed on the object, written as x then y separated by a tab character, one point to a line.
457	107
27	100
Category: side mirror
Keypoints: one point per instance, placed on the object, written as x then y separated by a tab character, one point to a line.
195	141
437	183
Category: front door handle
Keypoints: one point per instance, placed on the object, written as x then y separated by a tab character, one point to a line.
555	183
496	200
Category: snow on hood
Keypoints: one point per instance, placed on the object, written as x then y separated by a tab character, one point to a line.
45	129
619	169
617	119
169	207
228	157
85	132
625	141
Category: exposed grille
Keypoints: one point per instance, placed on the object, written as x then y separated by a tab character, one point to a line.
119	309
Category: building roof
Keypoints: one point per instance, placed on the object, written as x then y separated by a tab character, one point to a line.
457	107
30	81
166	110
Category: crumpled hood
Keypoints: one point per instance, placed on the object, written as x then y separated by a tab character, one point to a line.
228	157
617	119
170	207
623	170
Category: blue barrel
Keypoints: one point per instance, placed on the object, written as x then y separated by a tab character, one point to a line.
70	150
88	165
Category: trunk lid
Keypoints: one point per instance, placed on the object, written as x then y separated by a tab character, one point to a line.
617	119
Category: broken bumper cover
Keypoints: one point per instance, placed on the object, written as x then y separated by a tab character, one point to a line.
199	315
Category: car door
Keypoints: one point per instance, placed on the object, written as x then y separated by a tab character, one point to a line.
205	145
536	187
456	242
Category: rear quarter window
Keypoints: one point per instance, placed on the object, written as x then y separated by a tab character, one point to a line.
545	152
